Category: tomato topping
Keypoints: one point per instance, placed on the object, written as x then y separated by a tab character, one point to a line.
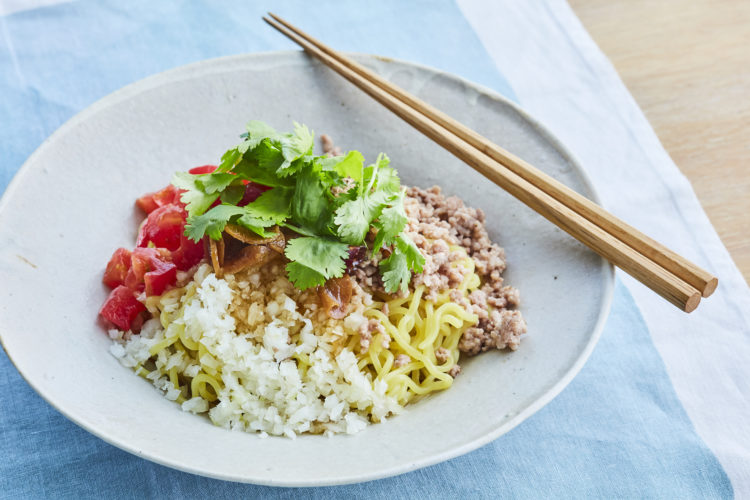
161	276
163	228
204	169
150	270
121	307
170	195
117	268
149	202
188	254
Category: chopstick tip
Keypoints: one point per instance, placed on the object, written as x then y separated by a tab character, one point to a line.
710	286
692	302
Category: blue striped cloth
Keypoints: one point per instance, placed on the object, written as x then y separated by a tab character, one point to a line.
617	431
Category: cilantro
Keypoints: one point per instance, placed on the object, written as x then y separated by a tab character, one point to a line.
303	277
354	218
212	222
395	272
322	255
273	205
256	225
395	269
345	165
233	194
257	132
310	205
293	147
229	160
214	183
302	200
391	222
195	199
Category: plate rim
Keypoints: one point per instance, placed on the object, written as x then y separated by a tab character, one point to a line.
168	76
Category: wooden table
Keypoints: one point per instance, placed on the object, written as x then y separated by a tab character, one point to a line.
687	63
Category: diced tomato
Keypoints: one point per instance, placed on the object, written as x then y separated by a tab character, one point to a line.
121	307
150	270
252	191
163	228
188	254
204	169
149	202
162	275
170	195
117	268
134	282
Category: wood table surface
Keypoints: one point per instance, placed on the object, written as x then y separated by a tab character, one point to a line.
687	64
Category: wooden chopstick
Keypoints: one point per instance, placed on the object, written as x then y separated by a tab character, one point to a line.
701	279
670	286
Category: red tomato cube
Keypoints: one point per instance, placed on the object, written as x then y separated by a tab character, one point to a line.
149	202
121	307
162	275
117	268
150	260
163	228
188	254
204	169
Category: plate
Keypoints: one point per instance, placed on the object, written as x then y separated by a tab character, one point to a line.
71	205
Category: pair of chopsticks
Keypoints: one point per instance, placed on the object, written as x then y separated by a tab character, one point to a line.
670	275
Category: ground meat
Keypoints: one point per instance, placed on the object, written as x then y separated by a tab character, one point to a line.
366	332
442	355
435	223
454	371
401	360
329	148
366	274
386	343
500	329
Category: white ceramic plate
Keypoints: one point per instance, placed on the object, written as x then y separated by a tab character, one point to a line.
71	205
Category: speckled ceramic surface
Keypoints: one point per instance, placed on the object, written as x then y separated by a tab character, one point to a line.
71	205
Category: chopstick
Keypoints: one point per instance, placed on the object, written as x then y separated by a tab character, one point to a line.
670	275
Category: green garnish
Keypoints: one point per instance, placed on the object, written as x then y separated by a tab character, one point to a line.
302	199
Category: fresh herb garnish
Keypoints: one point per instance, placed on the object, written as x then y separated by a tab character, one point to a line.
302	199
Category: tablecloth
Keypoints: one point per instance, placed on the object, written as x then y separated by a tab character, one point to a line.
636	422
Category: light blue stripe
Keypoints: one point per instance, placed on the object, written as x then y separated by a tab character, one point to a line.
617	431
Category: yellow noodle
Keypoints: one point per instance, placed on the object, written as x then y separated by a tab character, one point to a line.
418	327
414	326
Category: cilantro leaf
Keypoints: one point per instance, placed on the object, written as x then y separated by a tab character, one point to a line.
233	194
350	165
229	160
322	255
293	147
261	165
395	272
396	269
256	225
212	222
303	277
310	202
414	258
387	180
354	218
213	183
274	205
391	222
196	201
257	131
